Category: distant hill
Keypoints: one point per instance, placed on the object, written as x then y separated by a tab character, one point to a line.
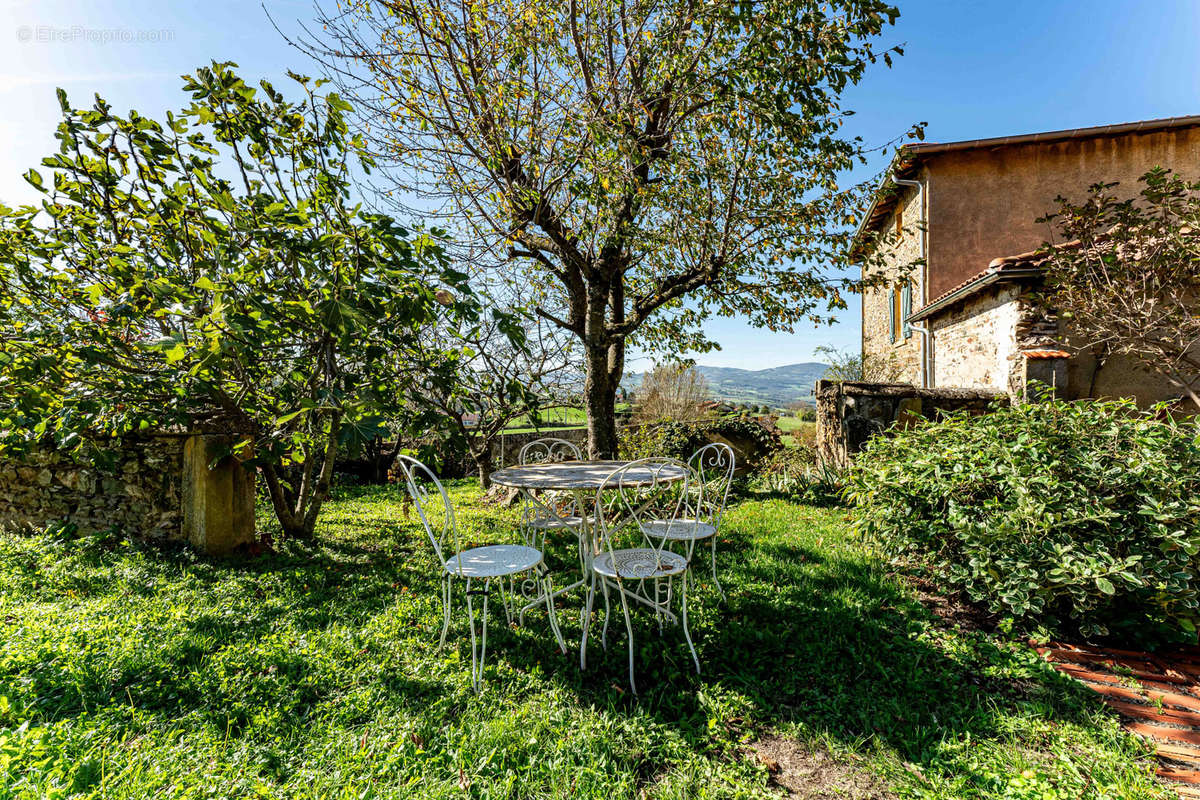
777	386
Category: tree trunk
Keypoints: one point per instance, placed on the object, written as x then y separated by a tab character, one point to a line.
297	511
483	461
600	398
291	524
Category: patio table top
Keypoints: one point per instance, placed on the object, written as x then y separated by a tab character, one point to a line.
575	475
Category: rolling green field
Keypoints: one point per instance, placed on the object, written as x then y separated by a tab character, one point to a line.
559	416
795	432
313	672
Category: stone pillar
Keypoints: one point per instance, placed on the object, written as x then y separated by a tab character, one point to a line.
831	438
218	503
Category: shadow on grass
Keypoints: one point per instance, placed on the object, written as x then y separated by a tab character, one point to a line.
827	642
812	636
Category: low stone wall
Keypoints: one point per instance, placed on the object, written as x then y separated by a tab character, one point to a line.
850	413
141	492
163	487
507	447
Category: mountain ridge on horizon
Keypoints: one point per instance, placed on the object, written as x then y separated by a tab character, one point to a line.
776	386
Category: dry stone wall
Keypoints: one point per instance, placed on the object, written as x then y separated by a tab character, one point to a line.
507	447
976	344
139	492
850	413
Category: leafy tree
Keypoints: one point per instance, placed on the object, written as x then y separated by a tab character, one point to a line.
213	272
654	163
483	376
1127	279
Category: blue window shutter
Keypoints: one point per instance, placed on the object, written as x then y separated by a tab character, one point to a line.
906	309
891	315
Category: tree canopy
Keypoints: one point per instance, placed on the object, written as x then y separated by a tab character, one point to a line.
654	162
214	272
1125	275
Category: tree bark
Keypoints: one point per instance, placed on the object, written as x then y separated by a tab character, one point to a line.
483	462
297	510
600	395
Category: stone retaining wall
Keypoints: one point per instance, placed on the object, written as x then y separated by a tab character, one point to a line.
850	413
141	492
507	447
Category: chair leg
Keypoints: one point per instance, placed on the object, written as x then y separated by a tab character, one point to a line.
714	567
686	633
506	599
607	616
521	614
474	643
478	647
487	585
446	595
629	631
548	589
587	622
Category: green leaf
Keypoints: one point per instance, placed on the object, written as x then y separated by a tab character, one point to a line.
176	353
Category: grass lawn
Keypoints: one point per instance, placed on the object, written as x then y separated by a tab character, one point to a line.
795	432
313	672
558	418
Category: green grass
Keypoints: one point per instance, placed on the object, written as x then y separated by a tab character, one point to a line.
796	432
557	418
560	416
131	673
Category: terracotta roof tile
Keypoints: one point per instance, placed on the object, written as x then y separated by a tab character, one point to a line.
1045	354
996	265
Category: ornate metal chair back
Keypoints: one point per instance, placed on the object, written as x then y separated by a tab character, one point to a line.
650	489
438	522
712	474
548	450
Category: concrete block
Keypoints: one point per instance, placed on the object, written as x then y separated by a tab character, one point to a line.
218	501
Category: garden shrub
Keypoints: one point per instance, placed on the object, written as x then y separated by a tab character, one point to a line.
680	439
794	473
1075	517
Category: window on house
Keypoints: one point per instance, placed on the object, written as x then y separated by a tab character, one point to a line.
899	307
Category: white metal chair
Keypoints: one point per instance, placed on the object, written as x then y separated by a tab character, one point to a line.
642	489
479	564
712	474
548	511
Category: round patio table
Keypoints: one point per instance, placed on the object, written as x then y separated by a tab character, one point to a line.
581	479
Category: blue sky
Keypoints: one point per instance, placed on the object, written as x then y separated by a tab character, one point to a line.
972	69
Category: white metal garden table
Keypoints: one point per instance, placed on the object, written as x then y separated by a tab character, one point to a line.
583	480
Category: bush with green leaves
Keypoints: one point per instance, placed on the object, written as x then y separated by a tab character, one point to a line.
216	270
681	439
1074	517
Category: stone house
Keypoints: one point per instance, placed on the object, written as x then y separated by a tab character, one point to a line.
953	229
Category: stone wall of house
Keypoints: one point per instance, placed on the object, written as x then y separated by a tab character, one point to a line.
140	493
850	413
902	358
975	344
